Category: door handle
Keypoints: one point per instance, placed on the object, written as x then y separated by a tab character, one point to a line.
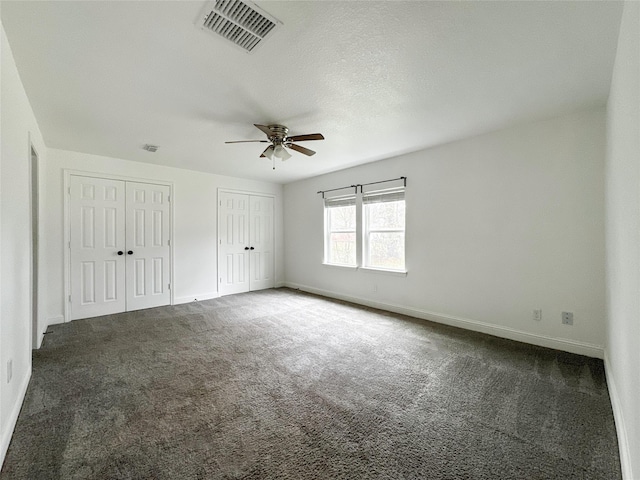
130	252
251	248
246	248
120	252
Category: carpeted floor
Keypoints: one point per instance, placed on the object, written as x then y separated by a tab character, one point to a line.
279	384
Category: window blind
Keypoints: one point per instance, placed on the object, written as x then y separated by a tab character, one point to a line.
395	195
340	201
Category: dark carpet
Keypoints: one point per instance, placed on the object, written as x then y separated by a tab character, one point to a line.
279	384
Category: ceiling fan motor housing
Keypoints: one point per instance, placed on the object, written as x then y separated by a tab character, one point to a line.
278	133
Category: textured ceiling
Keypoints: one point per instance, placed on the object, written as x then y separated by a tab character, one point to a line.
376	78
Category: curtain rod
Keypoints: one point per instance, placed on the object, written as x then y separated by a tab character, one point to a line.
339	188
383	181
362	185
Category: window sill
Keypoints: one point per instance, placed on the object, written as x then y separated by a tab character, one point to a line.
335	265
395	273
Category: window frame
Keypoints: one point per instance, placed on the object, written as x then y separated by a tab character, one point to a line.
362	230
352	201
399	193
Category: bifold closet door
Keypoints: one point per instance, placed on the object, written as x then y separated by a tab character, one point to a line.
245	243
97	244
147	239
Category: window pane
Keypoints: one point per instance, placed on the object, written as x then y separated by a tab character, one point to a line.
386	250
342	218
386	215
342	248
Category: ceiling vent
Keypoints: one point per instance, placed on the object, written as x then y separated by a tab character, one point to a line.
241	22
150	148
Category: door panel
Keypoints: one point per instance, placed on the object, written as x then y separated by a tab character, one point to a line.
96	209
262	241
147	231
233	243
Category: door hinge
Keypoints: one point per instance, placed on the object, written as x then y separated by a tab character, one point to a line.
69	298
69	191
220	202
169	242
168	198
169	286
220	279
69	245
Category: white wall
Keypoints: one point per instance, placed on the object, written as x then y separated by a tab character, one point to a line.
195	223
18	125
497	226
623	240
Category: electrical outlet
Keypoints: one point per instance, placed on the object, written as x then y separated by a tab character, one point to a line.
537	315
567	318
9	370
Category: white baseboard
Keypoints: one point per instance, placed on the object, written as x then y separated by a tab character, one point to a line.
7	430
564	344
195	298
621	428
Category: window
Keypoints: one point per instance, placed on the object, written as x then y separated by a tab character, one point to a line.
340	231
366	230
383	240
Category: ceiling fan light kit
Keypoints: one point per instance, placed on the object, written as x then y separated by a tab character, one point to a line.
278	152
277	136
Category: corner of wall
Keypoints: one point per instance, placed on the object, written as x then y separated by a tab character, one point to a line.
6	431
618	416
622	241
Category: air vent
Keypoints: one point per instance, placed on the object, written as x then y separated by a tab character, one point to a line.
150	148
241	22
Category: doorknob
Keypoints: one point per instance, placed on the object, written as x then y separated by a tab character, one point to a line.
120	252
130	252
246	248
251	248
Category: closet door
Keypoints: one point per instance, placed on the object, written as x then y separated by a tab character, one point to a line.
147	255
245	243
97	244
261	248
233	243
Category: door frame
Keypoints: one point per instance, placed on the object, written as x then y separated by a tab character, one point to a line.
67	225
242	192
35	265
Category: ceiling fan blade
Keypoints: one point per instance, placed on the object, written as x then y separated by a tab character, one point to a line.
270	147
300	149
302	138
266	130
247	141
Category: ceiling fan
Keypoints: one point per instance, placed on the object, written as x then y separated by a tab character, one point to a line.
277	136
